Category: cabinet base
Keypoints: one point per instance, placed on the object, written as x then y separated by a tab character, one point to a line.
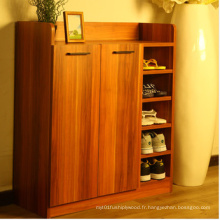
147	189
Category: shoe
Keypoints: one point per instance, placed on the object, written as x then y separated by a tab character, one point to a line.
150	116
158	142
147	92
151	64
145	121
146	144
157	170
151	87
145	171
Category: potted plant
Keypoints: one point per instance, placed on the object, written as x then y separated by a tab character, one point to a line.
48	10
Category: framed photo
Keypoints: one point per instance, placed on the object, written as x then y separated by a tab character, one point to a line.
74	26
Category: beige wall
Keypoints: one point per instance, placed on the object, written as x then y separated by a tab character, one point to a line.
15	10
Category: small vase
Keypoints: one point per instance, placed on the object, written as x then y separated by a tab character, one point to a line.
196	95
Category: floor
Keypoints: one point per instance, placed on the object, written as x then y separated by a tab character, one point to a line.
183	202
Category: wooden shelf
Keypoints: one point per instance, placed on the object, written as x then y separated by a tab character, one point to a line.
154	72
167	152
145	184
157	99
158	44
152	127
164	54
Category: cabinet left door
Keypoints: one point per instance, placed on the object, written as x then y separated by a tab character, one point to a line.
74	123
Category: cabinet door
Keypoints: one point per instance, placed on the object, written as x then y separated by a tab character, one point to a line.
75	123
119	119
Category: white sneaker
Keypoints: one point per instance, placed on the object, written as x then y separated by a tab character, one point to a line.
152	112
158	142
146	144
150	116
157	120
146	121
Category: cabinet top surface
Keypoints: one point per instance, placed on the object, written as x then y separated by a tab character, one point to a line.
147	34
142	43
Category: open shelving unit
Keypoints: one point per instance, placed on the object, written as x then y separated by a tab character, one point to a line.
164	53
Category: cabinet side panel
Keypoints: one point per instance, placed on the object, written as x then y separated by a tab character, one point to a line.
173	106
32	115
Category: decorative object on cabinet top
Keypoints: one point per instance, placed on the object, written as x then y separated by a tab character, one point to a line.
74	26
48	10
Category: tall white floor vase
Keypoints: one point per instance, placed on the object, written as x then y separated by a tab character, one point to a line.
196	94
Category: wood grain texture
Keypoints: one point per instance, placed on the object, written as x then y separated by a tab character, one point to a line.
75	124
163	109
163	82
153	127
205	195
103	31
157	99
141	53
32	115
154	72
157	32
57	104
173	100
119	119
163	55
156	154
151	43
147	189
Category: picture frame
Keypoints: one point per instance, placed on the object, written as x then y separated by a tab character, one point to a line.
74	26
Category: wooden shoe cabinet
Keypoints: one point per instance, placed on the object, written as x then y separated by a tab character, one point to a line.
77	129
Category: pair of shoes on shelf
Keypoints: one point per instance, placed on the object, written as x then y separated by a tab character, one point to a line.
150	90
152	142
151	64
149	118
150	171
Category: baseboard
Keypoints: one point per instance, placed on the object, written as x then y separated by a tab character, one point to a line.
6	198
214	160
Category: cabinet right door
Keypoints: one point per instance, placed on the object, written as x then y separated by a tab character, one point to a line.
120	97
